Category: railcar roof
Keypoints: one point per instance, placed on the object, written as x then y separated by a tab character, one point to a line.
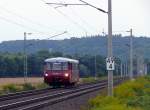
61	59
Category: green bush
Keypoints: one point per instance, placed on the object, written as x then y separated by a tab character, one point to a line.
88	79
103	101
10	88
28	86
140	101
108	103
41	86
1	92
92	79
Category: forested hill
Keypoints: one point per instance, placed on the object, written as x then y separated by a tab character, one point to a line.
85	45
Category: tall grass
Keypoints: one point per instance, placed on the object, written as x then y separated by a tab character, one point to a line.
12	88
92	79
41	86
132	95
28	86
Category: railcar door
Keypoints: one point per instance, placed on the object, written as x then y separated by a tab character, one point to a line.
75	72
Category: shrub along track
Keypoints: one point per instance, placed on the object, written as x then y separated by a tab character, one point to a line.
34	100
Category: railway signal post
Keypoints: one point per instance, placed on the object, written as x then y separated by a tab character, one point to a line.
131	55
110	72
25	57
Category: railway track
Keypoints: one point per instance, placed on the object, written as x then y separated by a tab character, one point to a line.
23	94
47	97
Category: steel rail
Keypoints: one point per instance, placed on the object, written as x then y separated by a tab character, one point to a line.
52	96
22	94
60	99
66	97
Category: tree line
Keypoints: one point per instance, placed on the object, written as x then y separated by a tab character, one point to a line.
12	64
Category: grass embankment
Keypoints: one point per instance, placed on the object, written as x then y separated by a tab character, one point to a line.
131	95
91	79
12	88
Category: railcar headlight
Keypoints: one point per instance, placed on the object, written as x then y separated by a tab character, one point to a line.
66	74
46	74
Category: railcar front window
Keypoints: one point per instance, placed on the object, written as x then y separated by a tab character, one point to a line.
56	66
65	66
49	67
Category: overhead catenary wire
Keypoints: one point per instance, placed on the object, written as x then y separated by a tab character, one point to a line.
94	6
16	23
23	26
68	18
26	19
63	4
57	35
83	20
77	15
67	32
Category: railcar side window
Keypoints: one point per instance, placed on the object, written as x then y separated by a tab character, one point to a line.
75	66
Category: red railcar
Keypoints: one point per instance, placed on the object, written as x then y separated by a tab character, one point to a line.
61	71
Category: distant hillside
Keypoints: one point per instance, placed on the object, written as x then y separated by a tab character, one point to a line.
86	45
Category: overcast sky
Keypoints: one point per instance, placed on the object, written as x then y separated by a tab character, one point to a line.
19	16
